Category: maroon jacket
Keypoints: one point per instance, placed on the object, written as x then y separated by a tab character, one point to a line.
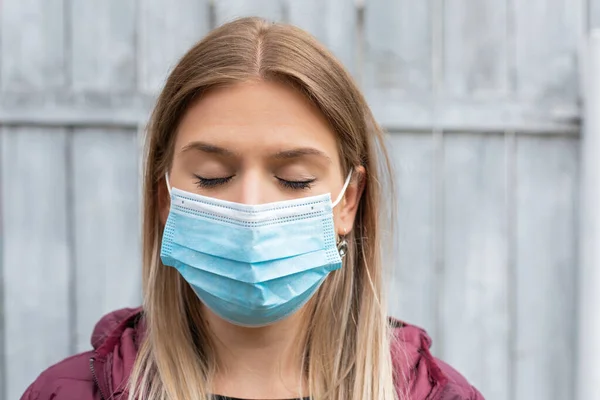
102	373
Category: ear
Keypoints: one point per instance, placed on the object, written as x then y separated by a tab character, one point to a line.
351	200
164	201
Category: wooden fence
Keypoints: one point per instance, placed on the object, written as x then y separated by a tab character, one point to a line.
482	102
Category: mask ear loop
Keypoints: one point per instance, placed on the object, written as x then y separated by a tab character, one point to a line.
342	244
168	183
341	195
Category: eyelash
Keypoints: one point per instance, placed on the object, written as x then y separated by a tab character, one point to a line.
212	182
296	185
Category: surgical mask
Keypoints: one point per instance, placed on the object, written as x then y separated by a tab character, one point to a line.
252	265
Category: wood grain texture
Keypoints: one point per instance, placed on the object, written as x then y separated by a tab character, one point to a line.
165	34
547	34
397	59
228	10
412	295
475	292
32	45
406	115
475	49
588	274
398	45
103	42
36	253
3	390
593	18
107	225
546	260
333	23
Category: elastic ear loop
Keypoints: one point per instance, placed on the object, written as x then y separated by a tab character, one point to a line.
341	195
342	244
168	183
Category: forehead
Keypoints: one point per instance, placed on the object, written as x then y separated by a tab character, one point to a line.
255	117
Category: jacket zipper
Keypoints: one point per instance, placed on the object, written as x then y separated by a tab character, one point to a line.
95	377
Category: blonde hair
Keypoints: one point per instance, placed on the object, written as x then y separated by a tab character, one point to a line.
347	344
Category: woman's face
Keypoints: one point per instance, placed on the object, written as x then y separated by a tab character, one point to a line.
260	142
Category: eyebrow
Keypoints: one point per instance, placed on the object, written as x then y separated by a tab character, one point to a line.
300	152
282	155
208	148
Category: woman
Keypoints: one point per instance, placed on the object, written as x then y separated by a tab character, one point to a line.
262	274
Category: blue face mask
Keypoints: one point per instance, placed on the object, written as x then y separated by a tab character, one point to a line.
252	265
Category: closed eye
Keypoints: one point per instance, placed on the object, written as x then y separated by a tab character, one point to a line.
296	185
211	182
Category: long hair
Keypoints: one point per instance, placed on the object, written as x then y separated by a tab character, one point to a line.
347	343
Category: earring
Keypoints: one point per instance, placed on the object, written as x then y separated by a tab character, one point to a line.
342	245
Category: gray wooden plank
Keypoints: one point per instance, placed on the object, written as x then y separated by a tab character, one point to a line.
547	36
412	296
397	115
475	51
36	253
588	274
31	45
228	10
3	390
474	302
103	36
397	56
333	23
398	45
106	225
546	267
165	34
593	14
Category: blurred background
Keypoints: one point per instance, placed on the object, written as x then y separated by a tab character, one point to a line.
482	100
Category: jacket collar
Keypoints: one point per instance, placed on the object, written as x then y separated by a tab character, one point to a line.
117	336
115	340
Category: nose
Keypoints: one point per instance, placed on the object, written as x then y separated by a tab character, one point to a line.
250	189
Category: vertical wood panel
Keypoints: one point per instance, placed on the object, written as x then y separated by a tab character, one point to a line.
398	45
547	187
3	389
594	14
398	56
332	22
475	48
475	291
547	34
166	33
36	253
588	274
106	225
412	295
103	44
227	10
31	44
